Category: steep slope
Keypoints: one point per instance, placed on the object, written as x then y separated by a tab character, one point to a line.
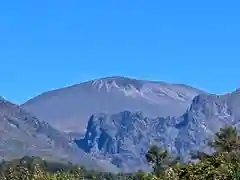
207	114
22	134
69	108
124	138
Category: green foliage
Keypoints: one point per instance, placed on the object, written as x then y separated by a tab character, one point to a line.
236	174
227	140
160	159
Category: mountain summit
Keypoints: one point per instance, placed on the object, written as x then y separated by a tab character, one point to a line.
69	108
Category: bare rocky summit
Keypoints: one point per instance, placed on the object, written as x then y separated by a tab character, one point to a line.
69	108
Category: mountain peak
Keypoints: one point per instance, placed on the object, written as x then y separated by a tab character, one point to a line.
69	108
116	78
117	82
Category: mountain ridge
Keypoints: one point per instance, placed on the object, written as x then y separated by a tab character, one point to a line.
120	130
69	108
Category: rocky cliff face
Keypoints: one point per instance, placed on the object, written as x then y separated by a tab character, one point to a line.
207	114
124	138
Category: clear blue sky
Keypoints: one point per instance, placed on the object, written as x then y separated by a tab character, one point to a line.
47	44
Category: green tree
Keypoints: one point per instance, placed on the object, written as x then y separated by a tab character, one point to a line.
159	159
226	140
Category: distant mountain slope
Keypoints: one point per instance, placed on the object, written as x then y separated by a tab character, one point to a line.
125	137
22	134
69	108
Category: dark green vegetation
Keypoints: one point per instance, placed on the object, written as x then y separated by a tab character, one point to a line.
224	164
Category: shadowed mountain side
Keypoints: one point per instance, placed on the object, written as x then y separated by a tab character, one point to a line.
22	134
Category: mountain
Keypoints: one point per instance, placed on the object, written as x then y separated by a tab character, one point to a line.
207	114
125	137
69	108
22	134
